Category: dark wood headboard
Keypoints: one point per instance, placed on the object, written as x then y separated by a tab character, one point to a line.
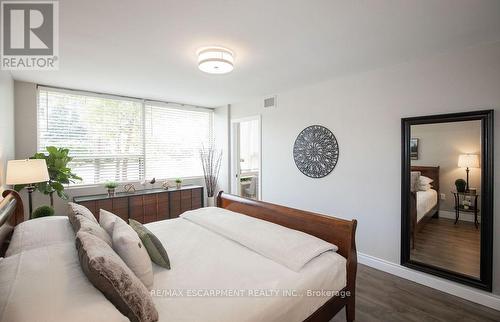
431	172
337	231
11	214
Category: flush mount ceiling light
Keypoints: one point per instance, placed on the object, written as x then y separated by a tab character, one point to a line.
215	60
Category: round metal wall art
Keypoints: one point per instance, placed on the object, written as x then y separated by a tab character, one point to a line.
316	151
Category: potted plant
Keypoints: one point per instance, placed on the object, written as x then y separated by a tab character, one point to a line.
111	186
211	162
461	185
43	211
60	173
178	183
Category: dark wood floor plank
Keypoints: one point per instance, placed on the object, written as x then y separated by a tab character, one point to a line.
443	243
387	298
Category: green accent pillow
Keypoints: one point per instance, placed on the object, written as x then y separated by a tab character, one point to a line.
153	245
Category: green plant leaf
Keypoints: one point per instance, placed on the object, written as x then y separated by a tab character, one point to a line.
57	186
19	187
51	149
62	195
59	173
42	187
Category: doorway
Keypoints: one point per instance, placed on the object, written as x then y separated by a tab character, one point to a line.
246	157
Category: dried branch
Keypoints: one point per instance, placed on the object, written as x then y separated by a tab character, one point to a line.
211	161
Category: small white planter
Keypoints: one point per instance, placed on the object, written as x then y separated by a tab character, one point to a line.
210	201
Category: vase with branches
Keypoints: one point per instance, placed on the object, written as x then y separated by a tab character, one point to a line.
211	159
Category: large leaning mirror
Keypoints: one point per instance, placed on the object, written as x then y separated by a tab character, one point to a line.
447	196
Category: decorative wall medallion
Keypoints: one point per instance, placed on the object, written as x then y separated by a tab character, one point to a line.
316	151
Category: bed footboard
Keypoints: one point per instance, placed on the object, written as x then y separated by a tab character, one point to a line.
337	231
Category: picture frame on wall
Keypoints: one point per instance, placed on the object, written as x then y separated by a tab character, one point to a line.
413	149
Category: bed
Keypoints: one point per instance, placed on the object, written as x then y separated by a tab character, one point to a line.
424	204
55	288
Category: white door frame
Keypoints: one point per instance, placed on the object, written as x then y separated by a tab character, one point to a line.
235	154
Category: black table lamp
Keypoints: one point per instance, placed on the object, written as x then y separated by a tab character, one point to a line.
29	171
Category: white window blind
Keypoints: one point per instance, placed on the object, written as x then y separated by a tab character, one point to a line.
115	138
174	137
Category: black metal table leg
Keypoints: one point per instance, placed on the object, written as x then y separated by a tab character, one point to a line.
457	201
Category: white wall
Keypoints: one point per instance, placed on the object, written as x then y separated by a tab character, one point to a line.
26	145
25	119
6	124
364	112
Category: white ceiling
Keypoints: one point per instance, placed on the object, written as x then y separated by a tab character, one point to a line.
148	48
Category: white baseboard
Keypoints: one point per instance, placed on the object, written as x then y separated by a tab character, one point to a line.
477	296
463	216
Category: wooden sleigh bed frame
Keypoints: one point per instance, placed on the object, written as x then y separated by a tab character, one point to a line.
416	226
11	214
337	231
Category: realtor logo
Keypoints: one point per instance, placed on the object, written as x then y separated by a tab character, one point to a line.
30	35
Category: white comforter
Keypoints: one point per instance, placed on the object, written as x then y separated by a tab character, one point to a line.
47	284
425	201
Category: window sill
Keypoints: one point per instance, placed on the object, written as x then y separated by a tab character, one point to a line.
76	187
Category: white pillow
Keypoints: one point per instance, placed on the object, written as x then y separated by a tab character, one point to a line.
424	187
423	180
129	247
414	180
107	221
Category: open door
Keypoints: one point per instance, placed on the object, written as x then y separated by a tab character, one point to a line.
246	157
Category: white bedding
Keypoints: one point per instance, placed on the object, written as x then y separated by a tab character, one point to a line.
39	232
289	247
220	263
47	283
425	201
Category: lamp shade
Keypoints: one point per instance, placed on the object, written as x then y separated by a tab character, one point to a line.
26	171
468	161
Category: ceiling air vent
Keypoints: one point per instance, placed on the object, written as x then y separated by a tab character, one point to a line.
270	102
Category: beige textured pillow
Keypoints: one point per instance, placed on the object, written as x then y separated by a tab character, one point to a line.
76	209
107	221
129	246
90	227
109	274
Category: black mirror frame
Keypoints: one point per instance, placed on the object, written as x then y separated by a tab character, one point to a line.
484	282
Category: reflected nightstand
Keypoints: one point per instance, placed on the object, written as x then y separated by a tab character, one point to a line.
459	207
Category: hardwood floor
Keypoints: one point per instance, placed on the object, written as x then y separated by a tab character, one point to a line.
382	297
455	247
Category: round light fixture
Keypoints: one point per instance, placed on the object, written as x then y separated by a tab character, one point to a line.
215	60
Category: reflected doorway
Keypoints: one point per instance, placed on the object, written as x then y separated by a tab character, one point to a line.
246	157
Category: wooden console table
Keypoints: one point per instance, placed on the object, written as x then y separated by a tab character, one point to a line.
146	205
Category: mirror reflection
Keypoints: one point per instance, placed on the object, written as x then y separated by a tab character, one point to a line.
445	190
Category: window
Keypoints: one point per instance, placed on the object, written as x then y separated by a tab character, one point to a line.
115	138
174	138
